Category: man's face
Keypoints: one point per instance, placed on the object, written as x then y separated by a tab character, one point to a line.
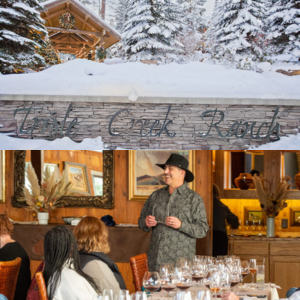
174	176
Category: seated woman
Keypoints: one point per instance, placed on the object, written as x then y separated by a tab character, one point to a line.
92	238
62	273
10	250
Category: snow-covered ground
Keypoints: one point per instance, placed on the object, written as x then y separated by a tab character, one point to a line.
291	142
133	80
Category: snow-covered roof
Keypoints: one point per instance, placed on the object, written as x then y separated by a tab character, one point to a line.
106	26
195	82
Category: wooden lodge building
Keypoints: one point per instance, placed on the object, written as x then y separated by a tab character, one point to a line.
74	29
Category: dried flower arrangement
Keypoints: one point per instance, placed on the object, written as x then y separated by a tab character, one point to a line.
47	197
271	202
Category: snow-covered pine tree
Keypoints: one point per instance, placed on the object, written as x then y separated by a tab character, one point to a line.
193	14
150	30
284	27
238	32
20	24
121	15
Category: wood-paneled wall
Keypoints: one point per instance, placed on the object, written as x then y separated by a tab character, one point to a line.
125	211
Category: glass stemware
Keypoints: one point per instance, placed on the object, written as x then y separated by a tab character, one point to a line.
252	268
245	268
151	282
167	280
199	271
183	278
215	285
225	280
235	275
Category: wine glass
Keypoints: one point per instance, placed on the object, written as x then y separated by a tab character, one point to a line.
215	282
235	275
167	280
252	268
199	270
225	280
184	263
151	282
183	278
245	268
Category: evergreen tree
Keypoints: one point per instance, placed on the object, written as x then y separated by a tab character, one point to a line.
151	29
121	15
238	32
193	15
284	27
21	32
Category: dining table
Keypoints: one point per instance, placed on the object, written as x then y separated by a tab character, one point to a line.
267	291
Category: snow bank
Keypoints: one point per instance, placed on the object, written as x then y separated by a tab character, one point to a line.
11	143
291	142
196	80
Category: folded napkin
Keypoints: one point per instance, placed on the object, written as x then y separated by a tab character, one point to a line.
108	220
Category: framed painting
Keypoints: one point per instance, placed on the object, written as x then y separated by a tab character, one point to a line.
145	177
253	213
2	176
97	179
295	216
52	167
77	174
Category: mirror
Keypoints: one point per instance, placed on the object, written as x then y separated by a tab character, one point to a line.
291	166
242	162
90	172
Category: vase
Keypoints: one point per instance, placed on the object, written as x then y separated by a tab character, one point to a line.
270	227
43	218
244	181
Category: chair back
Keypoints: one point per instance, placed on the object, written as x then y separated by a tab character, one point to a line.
139	265
41	285
9	271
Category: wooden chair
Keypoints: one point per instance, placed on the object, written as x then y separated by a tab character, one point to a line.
41	285
139	265
9	271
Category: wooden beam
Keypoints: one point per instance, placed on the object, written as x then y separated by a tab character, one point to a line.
64	30
82	20
55	14
70	42
84	23
50	22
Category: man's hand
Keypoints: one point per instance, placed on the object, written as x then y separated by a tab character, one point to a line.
150	221
173	222
230	296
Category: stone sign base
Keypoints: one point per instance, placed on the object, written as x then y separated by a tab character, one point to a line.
151	125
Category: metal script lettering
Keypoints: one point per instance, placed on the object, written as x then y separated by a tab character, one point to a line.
50	123
235	127
145	128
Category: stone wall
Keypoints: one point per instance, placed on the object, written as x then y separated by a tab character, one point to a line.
183	120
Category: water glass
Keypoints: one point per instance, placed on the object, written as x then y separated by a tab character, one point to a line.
260	277
139	296
108	294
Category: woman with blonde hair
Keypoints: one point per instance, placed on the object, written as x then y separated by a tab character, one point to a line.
10	250
92	239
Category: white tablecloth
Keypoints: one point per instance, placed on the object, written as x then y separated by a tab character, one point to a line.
269	291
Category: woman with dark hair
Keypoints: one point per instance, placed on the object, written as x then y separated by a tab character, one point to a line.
10	250
63	275
92	238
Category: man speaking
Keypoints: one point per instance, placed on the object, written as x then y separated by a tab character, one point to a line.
176	215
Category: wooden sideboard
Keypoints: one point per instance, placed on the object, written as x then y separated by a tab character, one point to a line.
282	259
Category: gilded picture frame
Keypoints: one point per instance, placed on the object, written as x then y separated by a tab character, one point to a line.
294	216
2	176
77	174
144	177
106	201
